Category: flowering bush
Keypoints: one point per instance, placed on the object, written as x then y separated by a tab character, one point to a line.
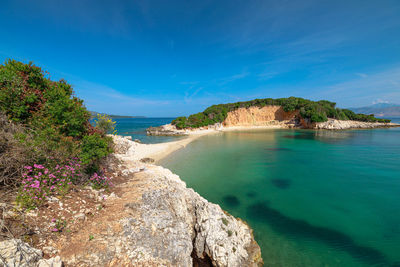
40	182
57	225
100	181
42	121
105	124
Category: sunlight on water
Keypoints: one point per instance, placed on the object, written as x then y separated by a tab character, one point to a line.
313	198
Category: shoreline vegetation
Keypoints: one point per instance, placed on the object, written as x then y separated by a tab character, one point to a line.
311	111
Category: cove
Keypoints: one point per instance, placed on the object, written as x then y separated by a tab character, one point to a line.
313	198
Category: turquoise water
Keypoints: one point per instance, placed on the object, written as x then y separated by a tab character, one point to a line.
313	198
136	127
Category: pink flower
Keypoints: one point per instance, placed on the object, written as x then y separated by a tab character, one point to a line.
35	184
38	166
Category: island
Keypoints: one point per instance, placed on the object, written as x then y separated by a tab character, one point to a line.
291	112
94	114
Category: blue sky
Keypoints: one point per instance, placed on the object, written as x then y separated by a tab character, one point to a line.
169	58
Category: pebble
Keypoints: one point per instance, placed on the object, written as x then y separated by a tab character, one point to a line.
80	216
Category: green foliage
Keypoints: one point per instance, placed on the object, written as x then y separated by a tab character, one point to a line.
53	123
105	124
180	122
94	148
28	97
313	111
362	117
22	86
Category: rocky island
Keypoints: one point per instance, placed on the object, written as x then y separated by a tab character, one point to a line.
289	112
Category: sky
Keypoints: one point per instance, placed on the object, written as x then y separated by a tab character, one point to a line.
171	58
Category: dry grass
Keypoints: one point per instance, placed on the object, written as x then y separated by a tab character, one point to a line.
13	155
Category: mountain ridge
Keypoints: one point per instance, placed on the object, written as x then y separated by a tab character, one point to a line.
382	110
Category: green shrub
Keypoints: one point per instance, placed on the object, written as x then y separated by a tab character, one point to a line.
93	149
22	86
44	123
105	124
180	122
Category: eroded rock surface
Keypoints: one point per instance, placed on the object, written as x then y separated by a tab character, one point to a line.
14	252
332	124
157	221
165	130
256	116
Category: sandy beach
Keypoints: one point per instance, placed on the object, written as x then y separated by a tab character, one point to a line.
161	150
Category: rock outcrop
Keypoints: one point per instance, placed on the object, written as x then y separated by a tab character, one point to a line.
332	124
165	130
14	252
157	221
256	116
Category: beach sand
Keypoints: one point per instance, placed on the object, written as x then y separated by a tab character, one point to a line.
161	150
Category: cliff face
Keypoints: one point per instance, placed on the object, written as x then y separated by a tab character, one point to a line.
255	116
275	115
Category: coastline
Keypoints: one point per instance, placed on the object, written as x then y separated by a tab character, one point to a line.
164	197
162	150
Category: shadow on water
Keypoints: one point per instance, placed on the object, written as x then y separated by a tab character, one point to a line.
281	183
302	135
231	201
251	194
302	229
278	149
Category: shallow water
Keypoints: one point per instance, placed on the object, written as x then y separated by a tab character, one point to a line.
313	198
136	127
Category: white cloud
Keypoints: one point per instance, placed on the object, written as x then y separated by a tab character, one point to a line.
380	101
362	91
267	75
362	75
225	80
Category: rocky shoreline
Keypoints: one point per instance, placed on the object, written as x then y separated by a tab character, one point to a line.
150	219
266	117
331	124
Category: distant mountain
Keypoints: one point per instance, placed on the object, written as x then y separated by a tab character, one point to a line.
387	110
94	114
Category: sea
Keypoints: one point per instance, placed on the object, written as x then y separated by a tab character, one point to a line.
313	198
136	128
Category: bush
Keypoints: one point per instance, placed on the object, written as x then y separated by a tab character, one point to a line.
40	182
100	181
94	148
105	124
13	154
43	122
